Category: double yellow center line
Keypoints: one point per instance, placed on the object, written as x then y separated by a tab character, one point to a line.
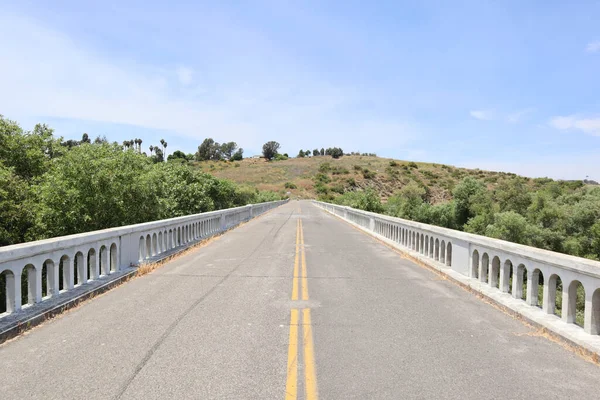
310	376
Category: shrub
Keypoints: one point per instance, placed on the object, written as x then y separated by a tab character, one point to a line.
337	188
290	185
413	165
368	174
393	163
339	171
324	167
323	178
366	200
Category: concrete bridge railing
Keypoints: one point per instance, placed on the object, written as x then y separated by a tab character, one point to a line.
54	267
524	273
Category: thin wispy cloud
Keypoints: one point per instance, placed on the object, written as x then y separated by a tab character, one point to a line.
185	75
593	47
482	115
77	83
590	126
232	71
519	116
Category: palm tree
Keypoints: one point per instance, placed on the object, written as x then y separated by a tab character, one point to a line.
164	147
151	149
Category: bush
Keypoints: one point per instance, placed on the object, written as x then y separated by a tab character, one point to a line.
413	165
339	171
325	167
368	174
393	163
323	178
367	200
337	188
290	185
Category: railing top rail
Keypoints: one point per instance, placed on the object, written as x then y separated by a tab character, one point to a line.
28	249
527	252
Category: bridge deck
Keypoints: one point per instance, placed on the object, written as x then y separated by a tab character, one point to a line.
215	324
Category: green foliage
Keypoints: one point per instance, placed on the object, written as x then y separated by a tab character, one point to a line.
413	165
323	178
281	157
337	188
270	149
367	200
238	155
368	174
51	188
337	170
406	203
29	154
178	156
510	226
469	197
393	163
15	207
208	150
513	195
325	167
334	152
290	185
392	173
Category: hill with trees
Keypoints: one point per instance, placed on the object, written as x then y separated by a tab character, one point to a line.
561	216
51	187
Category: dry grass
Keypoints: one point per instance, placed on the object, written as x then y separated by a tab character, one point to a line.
388	175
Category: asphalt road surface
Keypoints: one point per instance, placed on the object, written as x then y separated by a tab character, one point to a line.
294	304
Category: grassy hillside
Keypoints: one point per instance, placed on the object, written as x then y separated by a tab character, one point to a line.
324	176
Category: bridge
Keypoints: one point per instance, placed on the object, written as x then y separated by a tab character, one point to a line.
295	300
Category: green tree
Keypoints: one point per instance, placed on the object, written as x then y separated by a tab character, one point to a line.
28	153
16	215
513	195
406	203
95	187
238	155
301	154
228	149
469	197
509	225
270	149
208	150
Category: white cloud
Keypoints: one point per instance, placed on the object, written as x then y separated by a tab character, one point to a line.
593	47
590	126
74	82
482	115
519	115
184	74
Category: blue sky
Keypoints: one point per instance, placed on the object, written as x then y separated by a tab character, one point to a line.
508	85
